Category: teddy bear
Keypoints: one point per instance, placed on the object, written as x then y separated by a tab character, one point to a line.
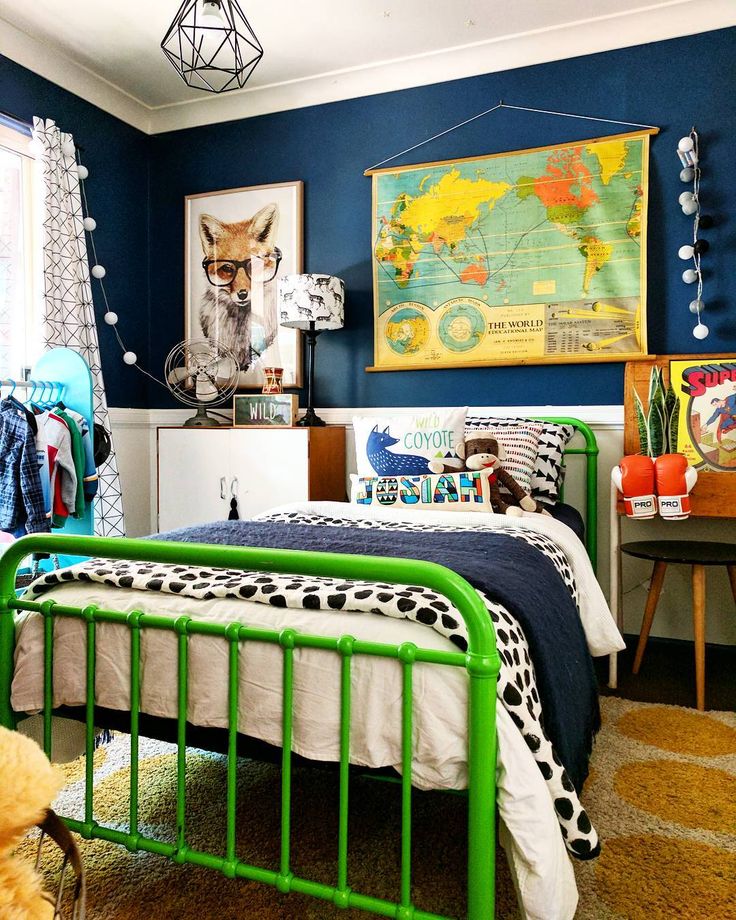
29	785
488	454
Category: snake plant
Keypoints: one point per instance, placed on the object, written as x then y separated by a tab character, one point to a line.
659	425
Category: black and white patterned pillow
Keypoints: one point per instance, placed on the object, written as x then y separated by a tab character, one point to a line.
548	470
521	445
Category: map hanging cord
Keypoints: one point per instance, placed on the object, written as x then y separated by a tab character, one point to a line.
503	105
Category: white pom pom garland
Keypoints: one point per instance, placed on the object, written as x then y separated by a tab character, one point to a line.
689	156
700	332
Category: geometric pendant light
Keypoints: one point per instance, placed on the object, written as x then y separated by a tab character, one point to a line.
211	44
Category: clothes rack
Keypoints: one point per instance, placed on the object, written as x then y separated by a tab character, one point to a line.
61	374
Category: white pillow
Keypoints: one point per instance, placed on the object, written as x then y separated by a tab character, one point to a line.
467	491
404	445
521	445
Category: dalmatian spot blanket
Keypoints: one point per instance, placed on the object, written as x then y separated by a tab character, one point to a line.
518	689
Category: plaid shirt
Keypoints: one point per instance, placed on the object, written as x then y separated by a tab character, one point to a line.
21	495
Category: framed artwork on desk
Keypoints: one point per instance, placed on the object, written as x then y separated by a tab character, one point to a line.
706	389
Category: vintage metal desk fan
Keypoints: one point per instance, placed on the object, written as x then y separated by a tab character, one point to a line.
201	373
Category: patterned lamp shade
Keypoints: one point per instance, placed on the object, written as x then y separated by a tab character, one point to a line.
305	299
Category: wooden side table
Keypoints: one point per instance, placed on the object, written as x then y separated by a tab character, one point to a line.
682	552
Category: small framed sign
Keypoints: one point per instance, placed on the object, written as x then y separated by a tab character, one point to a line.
272	410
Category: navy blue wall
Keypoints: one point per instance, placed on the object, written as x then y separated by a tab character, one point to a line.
672	84
137	186
117	190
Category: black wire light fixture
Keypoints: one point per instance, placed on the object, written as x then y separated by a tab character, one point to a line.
211	44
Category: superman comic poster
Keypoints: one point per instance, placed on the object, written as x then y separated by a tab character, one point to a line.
706	389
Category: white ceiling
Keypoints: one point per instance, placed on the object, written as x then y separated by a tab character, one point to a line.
324	49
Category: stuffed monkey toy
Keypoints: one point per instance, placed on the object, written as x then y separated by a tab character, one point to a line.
29	785
488	454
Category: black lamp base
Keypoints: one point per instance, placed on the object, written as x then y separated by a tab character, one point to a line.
310	419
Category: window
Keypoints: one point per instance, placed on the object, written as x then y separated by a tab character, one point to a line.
20	255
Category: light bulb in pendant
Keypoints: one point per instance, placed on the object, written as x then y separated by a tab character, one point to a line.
211	14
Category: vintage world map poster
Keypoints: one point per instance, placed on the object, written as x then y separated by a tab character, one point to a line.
536	256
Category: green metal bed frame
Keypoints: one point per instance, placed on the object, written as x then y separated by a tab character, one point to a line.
481	662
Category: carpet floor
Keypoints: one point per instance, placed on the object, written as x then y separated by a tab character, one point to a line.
662	793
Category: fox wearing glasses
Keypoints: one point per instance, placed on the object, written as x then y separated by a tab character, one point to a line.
231	266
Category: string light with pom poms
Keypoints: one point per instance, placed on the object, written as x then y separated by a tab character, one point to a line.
99	272
689	154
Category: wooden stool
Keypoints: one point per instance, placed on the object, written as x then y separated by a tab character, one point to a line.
681	552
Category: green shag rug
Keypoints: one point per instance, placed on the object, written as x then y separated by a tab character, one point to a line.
662	794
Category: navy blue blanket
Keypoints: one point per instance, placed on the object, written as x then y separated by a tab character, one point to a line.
509	571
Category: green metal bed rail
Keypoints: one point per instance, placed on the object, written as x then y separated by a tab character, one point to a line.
590	452
481	662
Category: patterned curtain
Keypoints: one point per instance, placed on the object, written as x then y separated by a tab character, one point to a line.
69	316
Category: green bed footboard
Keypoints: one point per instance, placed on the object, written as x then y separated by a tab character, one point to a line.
481	661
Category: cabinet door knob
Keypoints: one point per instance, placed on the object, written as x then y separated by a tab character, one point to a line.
223	484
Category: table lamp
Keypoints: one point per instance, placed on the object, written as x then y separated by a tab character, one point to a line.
312	303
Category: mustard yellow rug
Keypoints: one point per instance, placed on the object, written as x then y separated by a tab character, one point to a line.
662	793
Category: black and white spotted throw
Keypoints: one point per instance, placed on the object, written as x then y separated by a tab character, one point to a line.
517	685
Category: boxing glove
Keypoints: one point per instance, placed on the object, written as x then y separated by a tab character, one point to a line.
675	478
634	478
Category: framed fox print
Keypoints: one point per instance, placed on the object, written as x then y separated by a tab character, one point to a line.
238	243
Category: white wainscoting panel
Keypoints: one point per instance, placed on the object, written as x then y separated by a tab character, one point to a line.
135	443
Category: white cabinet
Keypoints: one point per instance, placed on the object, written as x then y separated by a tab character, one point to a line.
201	469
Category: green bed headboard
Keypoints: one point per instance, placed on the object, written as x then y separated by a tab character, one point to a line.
589	451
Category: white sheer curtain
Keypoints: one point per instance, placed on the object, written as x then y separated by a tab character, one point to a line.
69	317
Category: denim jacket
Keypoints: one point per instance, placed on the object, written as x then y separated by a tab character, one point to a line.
21	495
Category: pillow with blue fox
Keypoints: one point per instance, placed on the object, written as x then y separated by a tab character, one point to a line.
421	442
467	491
